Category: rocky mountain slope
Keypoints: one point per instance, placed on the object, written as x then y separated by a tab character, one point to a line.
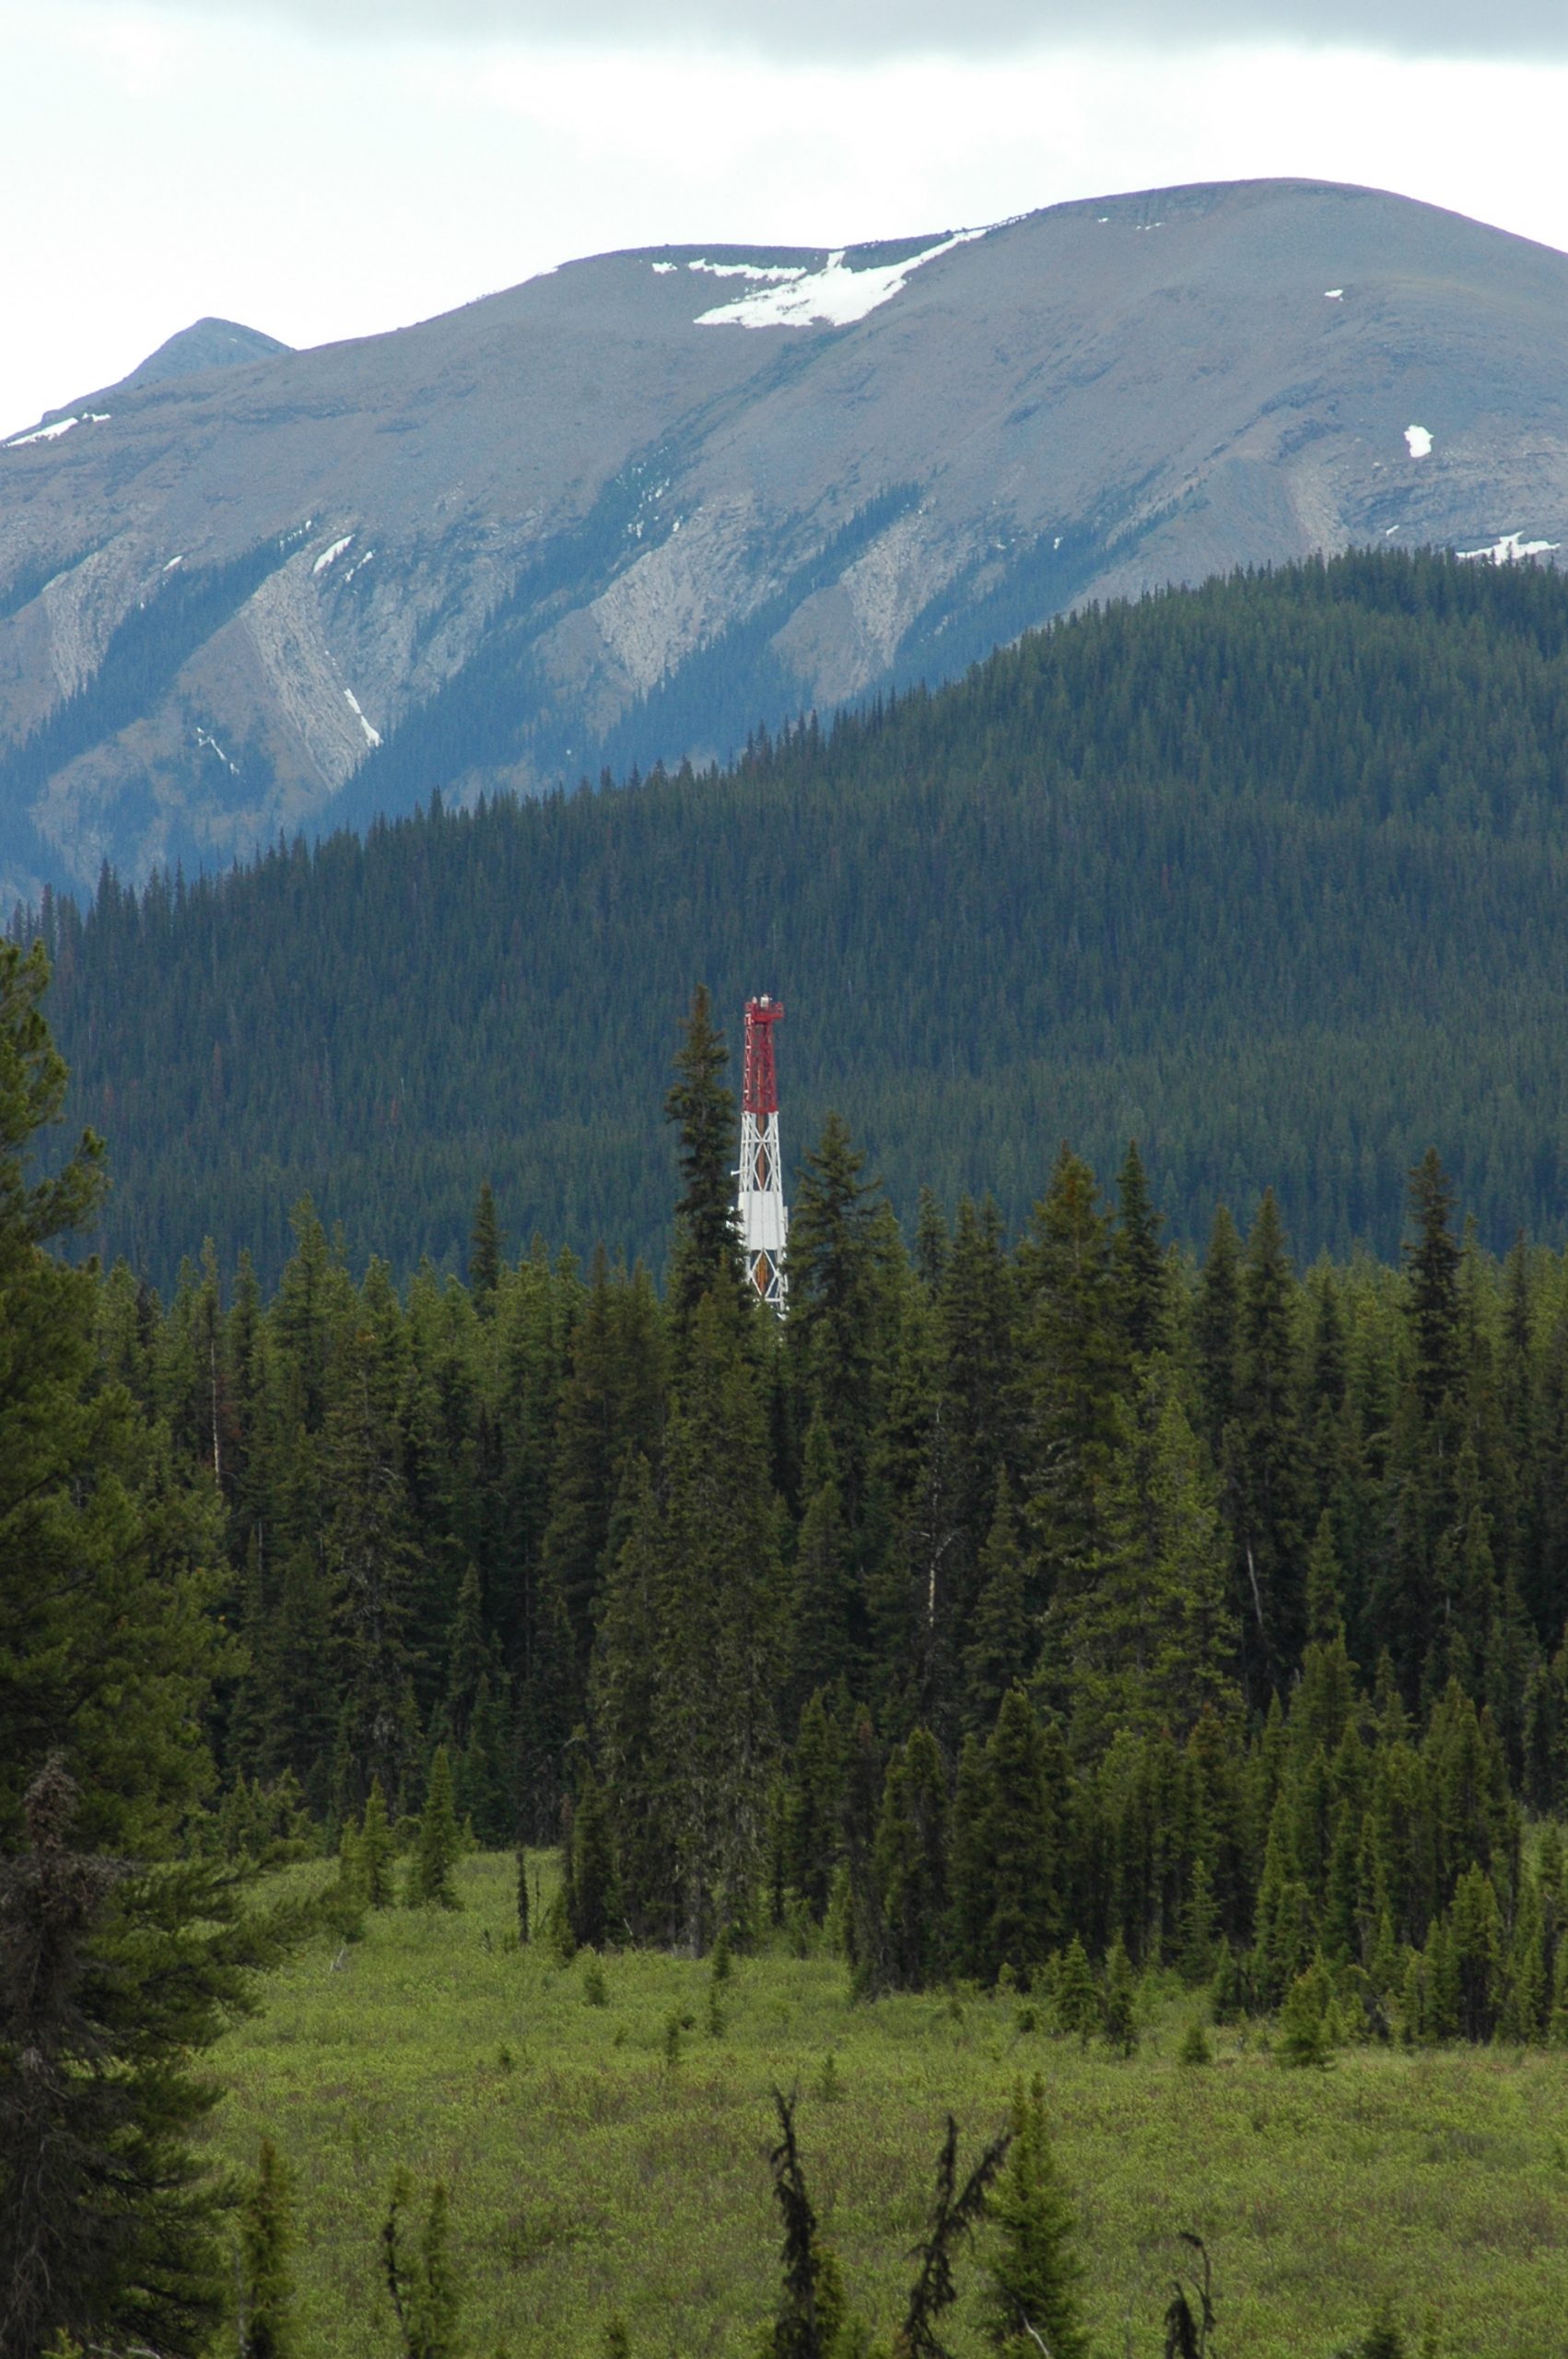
629	509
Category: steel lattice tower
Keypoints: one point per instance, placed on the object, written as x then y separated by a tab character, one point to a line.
761	1215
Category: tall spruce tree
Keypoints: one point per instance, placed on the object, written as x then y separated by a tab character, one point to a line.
1031	2267
717	1584
707	1257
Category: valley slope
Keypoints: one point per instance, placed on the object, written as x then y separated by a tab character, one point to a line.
1271	875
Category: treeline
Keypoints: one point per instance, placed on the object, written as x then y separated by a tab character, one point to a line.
1270	874
1009	1610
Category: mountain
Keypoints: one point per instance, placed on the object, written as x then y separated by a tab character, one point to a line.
1271	875
204	345
637	505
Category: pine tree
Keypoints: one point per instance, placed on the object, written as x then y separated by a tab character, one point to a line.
1147	1641
835	1311
100	1539
1267	1464
716	1585
1017	1842
828	1615
376	1850
1032	2273
1433	1258
814	1809
911	1862
374	1565
436	1844
1141	1278
1074	1998
112	1979
484	1247
1075	1369
1216	1330
1119	2018
591	1898
1304	2041
1003	1649
421	2281
707	1257
266	2243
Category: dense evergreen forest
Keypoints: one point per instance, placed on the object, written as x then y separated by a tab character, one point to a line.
1269	874
1033	1610
1007	1602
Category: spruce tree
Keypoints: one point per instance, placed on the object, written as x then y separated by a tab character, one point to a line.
1075	1369
716	1584
420	2278
376	1850
266	2245
1017	1841
1002	1648
911	1862
485	1245
707	1257
1216	1329
1032	2273
1266	1466
113	1978
1142	1282
431	1882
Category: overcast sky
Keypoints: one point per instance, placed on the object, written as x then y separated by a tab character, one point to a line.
328	168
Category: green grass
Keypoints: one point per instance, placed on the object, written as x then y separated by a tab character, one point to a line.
588	2175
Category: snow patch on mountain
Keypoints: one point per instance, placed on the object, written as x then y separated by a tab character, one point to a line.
372	737
833	297
766	274
1509	550
1418	441
330	556
52	432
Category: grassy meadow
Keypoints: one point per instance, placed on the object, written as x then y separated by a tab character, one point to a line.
592	2173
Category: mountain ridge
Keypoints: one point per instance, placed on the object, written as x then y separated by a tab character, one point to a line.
627	509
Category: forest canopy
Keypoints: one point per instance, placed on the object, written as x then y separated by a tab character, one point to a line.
1269	874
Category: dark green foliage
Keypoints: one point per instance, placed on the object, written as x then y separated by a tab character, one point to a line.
485	1245
1383	2339
1196	2046
1269	785
376	1850
1006	1904
265	2298
419	2276
1304	2037
1032	2272
954	2215
113	1978
911	1863
590	1896
436	1844
799	2332
707	1257
1119	2018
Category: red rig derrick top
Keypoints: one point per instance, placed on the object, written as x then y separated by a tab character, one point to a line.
759	1085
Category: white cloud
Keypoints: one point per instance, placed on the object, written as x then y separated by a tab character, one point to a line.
1527	30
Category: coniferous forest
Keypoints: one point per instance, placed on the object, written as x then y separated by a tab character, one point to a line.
1269	874
1060	1603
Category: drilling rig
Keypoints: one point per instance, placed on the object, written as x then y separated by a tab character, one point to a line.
762	1219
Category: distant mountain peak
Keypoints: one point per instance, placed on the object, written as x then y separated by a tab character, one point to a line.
190	352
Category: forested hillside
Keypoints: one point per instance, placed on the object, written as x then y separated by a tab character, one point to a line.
1269	874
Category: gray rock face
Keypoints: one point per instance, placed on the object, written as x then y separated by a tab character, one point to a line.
632	507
